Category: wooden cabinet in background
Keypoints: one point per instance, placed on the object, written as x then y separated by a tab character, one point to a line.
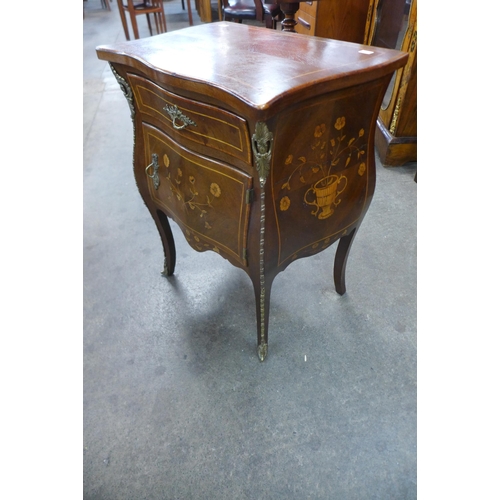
393	24
338	19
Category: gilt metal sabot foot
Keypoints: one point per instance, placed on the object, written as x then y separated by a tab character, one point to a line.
166	270
262	351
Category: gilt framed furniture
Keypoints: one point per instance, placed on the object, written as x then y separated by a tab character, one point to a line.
257	143
393	24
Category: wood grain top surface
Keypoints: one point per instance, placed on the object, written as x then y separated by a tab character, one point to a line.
254	64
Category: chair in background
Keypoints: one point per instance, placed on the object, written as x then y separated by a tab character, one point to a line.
239	10
190	14
146	7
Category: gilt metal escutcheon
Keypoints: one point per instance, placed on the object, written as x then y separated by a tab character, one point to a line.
154	175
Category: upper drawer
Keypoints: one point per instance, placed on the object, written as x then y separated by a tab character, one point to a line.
193	123
309	7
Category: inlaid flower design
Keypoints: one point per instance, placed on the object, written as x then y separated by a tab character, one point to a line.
340	123
192	199
284	203
322	167
215	189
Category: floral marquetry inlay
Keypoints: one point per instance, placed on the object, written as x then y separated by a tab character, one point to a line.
194	200
207	198
320	168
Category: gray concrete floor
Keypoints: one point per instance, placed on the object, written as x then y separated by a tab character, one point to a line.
176	402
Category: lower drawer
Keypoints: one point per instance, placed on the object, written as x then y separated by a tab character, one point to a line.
208	199
309	7
306	24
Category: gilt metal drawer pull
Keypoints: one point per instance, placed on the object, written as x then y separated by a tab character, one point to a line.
178	117
156	166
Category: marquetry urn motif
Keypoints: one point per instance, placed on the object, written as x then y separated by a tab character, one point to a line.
326	155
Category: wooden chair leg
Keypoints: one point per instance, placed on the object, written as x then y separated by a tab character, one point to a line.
135	29
157	27
190	15
161	23
124	20
149	25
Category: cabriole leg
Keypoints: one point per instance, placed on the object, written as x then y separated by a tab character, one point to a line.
340	263
262	301
167	240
